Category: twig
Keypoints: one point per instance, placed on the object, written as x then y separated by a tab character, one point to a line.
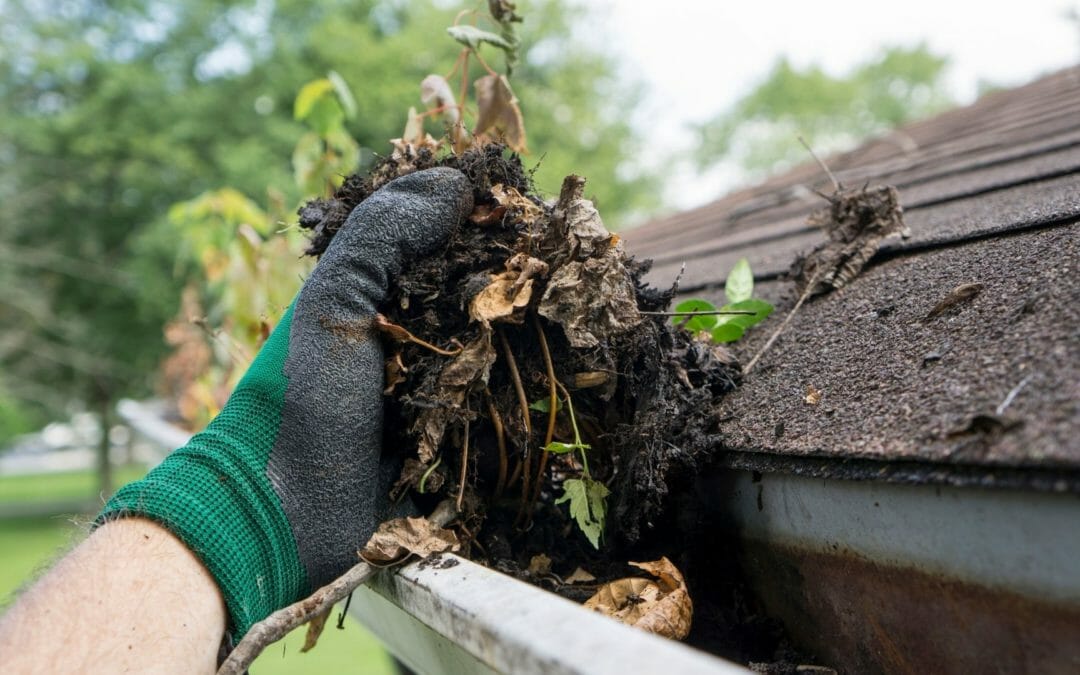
836	184
500	440
282	622
782	327
711	312
464	466
553	409
1012	394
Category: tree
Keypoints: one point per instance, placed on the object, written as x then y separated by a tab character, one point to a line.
760	132
112	112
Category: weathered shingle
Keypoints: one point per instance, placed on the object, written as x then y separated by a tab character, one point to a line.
992	197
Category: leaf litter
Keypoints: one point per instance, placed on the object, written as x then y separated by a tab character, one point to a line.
526	289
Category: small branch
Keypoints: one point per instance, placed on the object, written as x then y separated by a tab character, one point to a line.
282	622
711	312
1012	394
782	327
402	334
464	466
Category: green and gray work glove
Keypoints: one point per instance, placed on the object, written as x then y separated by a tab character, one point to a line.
288	481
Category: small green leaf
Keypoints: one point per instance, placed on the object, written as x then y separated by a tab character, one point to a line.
309	95
727	332
326	116
740	282
760	309
558	448
695	324
345	96
544	405
471	36
588	506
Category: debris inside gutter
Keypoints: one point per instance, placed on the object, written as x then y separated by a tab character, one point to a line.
532	377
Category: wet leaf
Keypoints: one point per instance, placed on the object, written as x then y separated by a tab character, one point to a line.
401	537
740	282
662	607
473	37
498	113
314	630
588	504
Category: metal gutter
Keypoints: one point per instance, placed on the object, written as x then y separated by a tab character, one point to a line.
453	616
456	617
880	577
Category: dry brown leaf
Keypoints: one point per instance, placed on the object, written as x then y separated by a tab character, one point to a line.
579	576
395	372
505	298
498	111
813	395
521	208
662	607
468	369
540	564
314	630
401	537
435	91
487	215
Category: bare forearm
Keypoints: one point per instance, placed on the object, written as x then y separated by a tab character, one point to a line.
131	598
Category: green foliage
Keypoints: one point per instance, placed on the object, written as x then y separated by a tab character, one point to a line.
588	505
721	327
562	448
544	405
760	131
112	112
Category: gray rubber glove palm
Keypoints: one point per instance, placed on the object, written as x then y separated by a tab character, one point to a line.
279	491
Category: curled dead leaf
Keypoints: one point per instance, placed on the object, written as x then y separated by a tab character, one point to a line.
505	298
401	537
540	564
395	372
589	379
498	112
435	91
662	607
579	576
520	207
487	215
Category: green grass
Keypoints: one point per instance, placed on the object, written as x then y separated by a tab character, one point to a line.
30	544
65	486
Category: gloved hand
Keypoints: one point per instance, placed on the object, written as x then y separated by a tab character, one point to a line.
284	485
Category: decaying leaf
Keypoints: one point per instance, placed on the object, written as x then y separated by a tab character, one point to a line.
520	207
540	564
436	93
813	395
314	630
468	369
473	37
505	298
591	295
579	576
401	537
487	215
662	607
498	112
588	506
856	222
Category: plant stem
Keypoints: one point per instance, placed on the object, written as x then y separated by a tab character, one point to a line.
577	434
712	312
500	440
464	466
553	409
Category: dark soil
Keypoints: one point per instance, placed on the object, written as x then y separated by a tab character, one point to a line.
643	394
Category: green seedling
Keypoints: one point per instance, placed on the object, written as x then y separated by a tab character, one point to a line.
700	316
587	497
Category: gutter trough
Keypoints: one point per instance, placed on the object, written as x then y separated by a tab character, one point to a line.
866	576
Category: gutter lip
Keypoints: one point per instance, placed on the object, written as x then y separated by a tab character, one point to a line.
505	625
1044	479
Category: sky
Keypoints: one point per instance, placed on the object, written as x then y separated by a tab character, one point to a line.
697	57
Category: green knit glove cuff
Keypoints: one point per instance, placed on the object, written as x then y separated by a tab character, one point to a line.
215	496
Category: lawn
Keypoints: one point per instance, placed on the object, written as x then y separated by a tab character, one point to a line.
29	544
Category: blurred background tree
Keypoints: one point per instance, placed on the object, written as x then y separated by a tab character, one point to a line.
112	112
833	113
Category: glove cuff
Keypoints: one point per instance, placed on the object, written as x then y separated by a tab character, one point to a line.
214	495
